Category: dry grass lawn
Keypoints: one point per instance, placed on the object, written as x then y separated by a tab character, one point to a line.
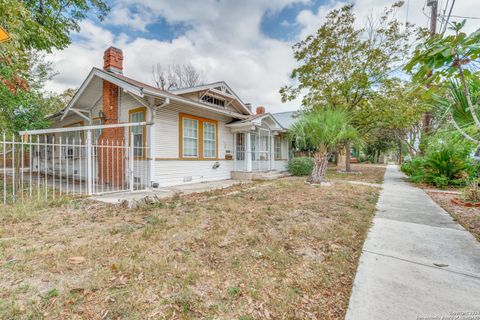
284	250
371	173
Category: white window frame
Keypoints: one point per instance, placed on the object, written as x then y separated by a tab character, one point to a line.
214	126
184	120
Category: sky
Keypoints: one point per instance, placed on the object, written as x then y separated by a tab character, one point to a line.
247	43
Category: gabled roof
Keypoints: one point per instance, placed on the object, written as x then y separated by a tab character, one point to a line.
141	89
219	87
256	120
286	119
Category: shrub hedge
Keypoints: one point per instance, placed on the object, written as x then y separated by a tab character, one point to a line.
301	166
441	167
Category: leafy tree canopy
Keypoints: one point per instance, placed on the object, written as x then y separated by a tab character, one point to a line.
36	28
342	64
446	67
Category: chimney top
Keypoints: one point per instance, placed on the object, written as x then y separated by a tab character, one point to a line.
260	110
113	60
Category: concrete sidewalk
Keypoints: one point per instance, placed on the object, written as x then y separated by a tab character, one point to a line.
416	262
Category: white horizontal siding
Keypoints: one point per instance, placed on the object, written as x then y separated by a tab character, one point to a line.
166	145
280	165
177	172
165	131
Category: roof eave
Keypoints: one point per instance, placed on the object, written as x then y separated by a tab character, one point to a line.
105	76
174	97
207	86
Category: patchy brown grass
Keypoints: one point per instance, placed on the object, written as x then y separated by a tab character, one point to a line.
284	250
469	218
371	173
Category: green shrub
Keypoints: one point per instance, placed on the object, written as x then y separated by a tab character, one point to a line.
442	166
301	166
447	167
413	167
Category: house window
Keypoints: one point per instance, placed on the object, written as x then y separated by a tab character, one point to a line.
253	146
138	133
209	140
278	148
213	100
72	141
190	138
240	141
198	137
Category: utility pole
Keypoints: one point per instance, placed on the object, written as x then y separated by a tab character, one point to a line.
433	17
433	4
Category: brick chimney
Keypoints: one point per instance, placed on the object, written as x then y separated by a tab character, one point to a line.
108	160
260	110
113	60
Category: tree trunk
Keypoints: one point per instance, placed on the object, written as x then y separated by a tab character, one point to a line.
337	155
347	157
320	162
400	159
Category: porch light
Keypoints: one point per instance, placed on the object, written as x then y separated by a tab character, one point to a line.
101	115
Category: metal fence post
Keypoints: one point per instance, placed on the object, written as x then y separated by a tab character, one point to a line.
4	170
130	161
89	163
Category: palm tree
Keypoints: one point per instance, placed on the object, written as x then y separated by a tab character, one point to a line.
456	106
320	131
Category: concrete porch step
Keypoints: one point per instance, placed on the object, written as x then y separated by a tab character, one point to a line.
270	175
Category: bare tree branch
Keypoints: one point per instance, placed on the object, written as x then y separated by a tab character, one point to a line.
175	76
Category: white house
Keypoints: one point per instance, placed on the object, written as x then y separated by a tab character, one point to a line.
196	134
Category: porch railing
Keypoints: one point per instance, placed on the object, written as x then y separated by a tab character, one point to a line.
47	166
260	160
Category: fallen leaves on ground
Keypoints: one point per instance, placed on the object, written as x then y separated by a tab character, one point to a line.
361	172
275	250
468	217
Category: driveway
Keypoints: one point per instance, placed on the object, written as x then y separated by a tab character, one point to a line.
417	263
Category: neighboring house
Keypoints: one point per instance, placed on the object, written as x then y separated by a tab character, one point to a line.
203	133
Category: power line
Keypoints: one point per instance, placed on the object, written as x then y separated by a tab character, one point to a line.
442	16
455	16
449	15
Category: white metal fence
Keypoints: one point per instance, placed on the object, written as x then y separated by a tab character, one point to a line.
58	163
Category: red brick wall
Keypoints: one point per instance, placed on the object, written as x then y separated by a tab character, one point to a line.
260	110
111	157
113	59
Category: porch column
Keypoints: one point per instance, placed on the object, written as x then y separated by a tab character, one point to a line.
272	151
248	152
235	151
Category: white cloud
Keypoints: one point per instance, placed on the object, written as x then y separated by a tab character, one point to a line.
414	10
223	39
137	19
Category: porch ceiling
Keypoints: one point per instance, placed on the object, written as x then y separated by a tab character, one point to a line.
90	95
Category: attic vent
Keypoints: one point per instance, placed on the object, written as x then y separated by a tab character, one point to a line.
213	100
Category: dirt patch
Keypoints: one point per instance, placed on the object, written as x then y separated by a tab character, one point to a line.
283	250
371	173
468	217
